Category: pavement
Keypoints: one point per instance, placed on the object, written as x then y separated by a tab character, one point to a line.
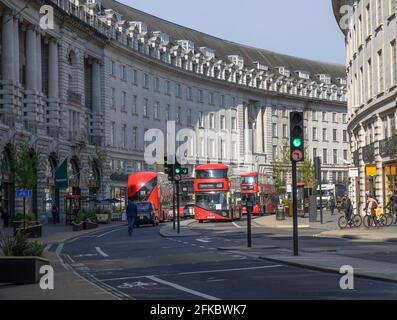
68	284
382	234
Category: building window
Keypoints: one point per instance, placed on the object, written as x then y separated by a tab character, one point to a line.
146	81
201	96
124	134
274	151
212	121
210	98
325	134
284	112
123	101
234	123
274	130
135	138
135	105
223	122
113	98
145	107
394	62
369	78
285	134
157	110
345	155
325	158
157	84
344	118
178	90
314	133
113	71
334	135
335	154
222	100
201	119
113	134
178	115
123	73
314	115
189	93
168	87
135	77
314	153
189	117
344	135
380	72
334	117
369	17
324	116
167	112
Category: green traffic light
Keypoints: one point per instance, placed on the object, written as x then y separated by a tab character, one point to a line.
297	142
177	170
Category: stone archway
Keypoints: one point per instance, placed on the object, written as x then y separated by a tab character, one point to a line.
52	194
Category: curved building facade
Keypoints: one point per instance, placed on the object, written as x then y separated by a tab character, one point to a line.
91	87
371	62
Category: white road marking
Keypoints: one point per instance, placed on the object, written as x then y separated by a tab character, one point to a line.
229	270
203	247
138	284
86	255
109	232
203	240
236	225
59	249
48	247
178	287
103	254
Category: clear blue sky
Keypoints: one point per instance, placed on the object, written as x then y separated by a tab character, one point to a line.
303	28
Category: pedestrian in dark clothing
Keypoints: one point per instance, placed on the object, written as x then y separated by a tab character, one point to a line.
392	206
131	213
348	208
332	205
4	216
54	212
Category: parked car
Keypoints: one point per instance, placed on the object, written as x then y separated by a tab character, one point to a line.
146	214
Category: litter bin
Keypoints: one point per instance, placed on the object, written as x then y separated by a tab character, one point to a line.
280	215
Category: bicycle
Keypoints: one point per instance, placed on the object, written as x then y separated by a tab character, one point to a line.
371	220
355	221
392	217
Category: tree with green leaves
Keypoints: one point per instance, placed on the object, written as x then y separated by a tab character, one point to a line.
282	167
26	162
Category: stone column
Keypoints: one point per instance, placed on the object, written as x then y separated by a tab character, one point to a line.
53	70
7	57
16	50
96	87
31	60
379	179
259	131
38	59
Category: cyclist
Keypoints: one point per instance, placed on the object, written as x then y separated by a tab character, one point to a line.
392	206
349	210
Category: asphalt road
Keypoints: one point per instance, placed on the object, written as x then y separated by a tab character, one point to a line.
147	266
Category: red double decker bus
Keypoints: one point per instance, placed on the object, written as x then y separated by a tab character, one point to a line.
213	199
258	189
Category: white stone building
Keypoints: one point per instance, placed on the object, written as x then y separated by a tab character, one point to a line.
371	61
92	85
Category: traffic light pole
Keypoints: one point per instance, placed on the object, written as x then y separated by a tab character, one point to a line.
249	230
321	204
173	206
295	208
177	206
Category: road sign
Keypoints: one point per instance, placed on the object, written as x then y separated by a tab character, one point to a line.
177	177
23	193
297	155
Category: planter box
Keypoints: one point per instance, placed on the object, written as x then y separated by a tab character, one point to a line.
30	231
103	218
88	225
19	224
21	270
78	226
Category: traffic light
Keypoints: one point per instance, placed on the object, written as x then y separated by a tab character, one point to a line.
297	137
178	170
168	169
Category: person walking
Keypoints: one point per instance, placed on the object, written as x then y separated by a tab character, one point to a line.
54	212
131	213
332	204
349	210
392	206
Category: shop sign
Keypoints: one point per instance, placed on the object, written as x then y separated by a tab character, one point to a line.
390	170
353	173
370	171
51	182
